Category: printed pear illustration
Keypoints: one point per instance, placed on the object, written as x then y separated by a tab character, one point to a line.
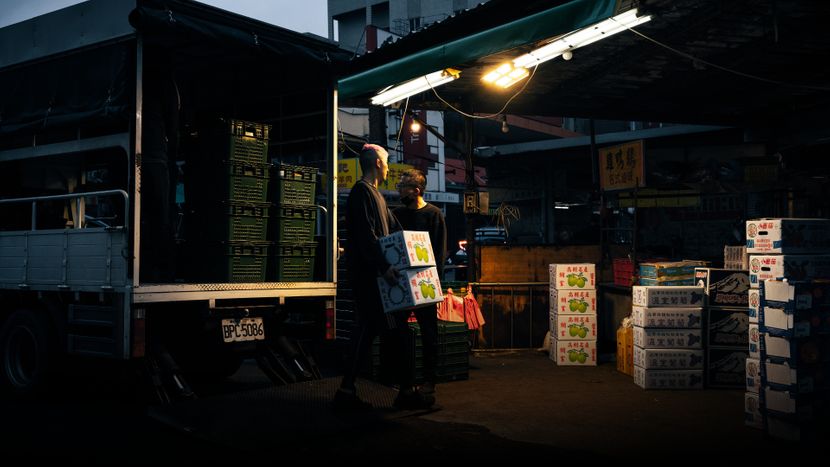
421	253
573	304
582	357
583	306
583	331
573	355
427	289
576	280
573	330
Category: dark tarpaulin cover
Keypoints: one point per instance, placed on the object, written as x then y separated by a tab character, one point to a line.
88	85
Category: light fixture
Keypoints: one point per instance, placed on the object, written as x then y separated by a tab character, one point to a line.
581	38
504	127
415	127
506	75
393	94
509	74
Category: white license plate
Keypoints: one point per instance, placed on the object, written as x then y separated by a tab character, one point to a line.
241	330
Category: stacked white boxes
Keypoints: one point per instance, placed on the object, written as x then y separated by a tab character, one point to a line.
418	284
789	338
668	334
726	321
573	314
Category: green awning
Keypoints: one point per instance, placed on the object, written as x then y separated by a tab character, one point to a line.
549	23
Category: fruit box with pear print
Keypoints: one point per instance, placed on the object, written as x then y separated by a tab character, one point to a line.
574	327
573	302
574	353
573	276
408	249
415	287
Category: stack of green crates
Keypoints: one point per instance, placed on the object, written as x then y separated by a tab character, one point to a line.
453	355
230	213
293	221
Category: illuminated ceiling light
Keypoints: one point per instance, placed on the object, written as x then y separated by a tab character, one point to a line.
394	94
505	75
581	38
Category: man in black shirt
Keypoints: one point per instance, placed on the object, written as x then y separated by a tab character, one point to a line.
417	214
367	220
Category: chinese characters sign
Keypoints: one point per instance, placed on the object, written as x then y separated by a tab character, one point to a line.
622	167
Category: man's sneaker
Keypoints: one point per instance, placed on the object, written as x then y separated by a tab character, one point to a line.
413	400
348	401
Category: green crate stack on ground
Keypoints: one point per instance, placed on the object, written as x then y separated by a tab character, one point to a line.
229	211
453	354
293	221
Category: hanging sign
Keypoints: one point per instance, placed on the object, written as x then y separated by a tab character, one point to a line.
622	167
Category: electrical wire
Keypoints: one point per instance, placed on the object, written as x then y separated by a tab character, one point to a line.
723	68
403	118
486	116
343	138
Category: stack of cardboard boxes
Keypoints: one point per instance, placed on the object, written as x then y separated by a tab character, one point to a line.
787	390
573	314
668	336
410	252
726	321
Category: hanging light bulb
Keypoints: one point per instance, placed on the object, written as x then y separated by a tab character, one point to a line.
415	127
504	127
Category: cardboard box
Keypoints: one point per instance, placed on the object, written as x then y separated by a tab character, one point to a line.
735	257
755	342
668	379
659	317
408	249
677	296
582	276
726	367
753	411
575	327
668	359
795	406
787	236
625	350
724	287
797	323
795	295
669	269
727	327
796	351
754	375
807	380
574	353
790	267
415	287
754	298
573	301
649	338
668	281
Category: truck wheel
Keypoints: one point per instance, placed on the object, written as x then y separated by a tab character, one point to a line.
26	352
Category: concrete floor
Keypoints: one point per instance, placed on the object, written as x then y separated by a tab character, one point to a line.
516	406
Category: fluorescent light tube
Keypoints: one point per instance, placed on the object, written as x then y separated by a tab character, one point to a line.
581	38
394	94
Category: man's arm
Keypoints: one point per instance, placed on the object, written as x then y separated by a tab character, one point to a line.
439	234
362	226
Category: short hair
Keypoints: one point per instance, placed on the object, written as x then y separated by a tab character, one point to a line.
369	154
417	178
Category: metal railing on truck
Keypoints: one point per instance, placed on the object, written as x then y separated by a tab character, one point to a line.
78	197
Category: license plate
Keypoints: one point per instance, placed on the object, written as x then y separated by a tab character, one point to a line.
241	330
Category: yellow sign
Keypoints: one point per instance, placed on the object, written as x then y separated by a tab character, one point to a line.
622	167
348	173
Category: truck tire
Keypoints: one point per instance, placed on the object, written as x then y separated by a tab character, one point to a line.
26	352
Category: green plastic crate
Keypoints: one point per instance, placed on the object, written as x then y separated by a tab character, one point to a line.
295	184
245	182
246	141
294	223
234	221
293	262
234	261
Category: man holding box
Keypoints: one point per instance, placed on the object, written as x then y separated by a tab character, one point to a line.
417	214
367	220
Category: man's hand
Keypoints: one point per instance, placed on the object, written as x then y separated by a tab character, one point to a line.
391	275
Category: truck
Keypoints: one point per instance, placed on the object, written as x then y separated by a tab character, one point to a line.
126	214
